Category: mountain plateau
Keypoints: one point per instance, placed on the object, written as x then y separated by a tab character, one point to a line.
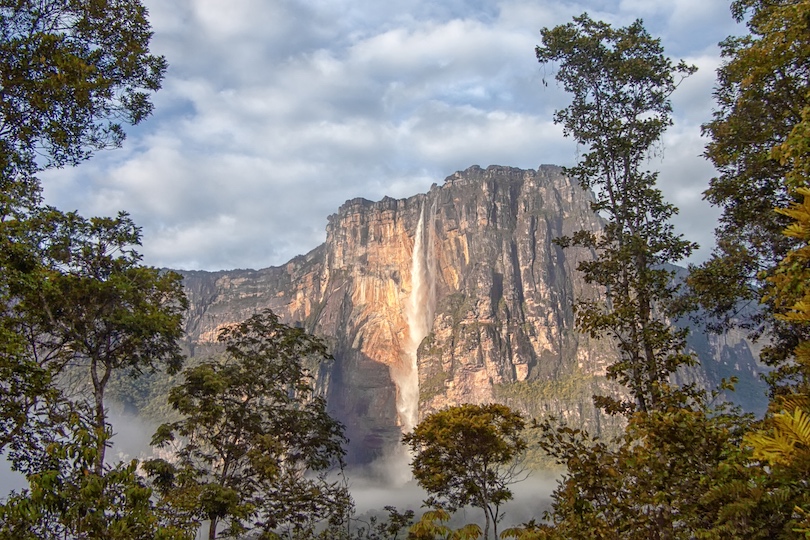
452	296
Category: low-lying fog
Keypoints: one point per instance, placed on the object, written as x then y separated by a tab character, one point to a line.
387	482
532	497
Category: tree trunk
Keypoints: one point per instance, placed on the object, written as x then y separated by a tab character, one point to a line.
99	416
486	520
495	515
486	525
212	529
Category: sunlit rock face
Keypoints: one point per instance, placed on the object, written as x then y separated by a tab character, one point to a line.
454	296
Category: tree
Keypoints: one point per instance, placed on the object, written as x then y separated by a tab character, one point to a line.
620	83
70	71
683	469
763	103
663	477
469	455
97	311
67	499
27	389
760	137
788	293
656	481
782	441
71	290
252	434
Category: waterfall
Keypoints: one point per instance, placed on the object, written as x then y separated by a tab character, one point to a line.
419	311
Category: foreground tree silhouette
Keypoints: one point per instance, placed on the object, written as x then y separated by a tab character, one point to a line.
72	290
70	74
620	82
255	440
760	137
782	441
758	144
650	482
470	455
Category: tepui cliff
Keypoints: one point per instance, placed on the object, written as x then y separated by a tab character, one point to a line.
457	295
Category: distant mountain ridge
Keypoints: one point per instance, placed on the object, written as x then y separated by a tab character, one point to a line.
450	296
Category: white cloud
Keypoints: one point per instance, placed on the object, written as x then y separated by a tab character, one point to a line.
274	113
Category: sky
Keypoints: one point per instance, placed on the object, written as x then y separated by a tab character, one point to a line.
275	112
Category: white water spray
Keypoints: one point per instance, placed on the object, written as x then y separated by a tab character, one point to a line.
419	312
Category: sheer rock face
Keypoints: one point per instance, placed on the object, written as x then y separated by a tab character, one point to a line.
468	274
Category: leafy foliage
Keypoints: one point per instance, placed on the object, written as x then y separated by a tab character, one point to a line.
431	526
620	83
783	440
758	136
68	499
252	429
788	294
469	455
72	292
788	442
87	308
759	143
679	470
651	483
70	71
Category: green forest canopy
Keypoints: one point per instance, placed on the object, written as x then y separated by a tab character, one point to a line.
76	296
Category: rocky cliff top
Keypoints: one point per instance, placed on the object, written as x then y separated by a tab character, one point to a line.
451	296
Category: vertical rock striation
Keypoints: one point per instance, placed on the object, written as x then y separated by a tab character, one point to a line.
453	296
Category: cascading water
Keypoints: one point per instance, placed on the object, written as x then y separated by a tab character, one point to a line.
419	312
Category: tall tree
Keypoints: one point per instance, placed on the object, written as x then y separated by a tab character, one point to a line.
99	311
70	72
84	310
621	82
761	490
470	455
252	428
762	101
760	137
782	442
650	482
71	290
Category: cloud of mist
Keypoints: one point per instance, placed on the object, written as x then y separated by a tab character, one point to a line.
131	437
388	482
385	482
532	498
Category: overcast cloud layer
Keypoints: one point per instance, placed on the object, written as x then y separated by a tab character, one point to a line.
274	112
